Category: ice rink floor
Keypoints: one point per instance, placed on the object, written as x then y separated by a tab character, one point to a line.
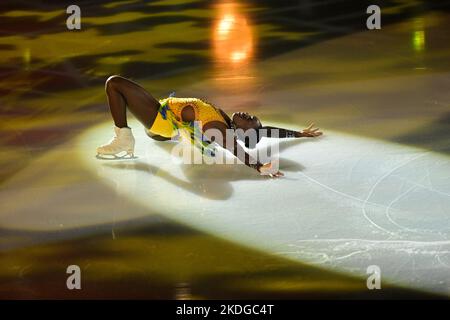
374	190
346	203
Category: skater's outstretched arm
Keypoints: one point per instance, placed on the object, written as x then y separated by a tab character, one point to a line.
274	132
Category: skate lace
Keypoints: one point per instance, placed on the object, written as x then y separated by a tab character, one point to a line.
113	142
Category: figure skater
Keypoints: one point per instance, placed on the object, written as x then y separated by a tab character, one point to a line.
163	119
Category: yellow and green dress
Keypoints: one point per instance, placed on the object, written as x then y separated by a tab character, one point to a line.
168	122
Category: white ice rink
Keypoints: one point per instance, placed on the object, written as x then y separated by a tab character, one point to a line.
345	203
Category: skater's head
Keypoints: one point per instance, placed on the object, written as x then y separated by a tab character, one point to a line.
245	121
249	126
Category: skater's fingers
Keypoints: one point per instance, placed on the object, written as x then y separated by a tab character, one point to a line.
267	165
277	175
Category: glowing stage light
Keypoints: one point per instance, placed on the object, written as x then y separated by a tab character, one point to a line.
237	56
418	36
419	40
232	38
233	46
226	24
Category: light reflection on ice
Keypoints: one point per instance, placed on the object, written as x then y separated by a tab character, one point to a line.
346	203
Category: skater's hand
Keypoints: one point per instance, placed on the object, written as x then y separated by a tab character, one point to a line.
269	170
311	131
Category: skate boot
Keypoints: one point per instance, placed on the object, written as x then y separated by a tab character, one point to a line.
120	146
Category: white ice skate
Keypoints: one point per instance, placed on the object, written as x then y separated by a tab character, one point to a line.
120	146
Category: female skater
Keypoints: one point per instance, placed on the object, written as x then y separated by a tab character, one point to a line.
162	119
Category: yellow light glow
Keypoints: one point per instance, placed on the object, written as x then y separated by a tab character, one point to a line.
233	44
27	58
232	38
418	36
226	24
419	40
238	56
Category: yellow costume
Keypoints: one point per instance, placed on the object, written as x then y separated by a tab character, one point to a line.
169	118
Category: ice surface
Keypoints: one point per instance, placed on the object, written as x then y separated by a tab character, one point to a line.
346	202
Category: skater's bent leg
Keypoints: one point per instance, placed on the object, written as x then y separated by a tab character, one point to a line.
123	93
117	104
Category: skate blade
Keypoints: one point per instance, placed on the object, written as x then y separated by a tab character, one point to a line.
119	156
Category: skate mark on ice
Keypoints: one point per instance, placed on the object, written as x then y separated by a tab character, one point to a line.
438	257
348	196
361	246
387	174
395	200
352	254
360	240
431	189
